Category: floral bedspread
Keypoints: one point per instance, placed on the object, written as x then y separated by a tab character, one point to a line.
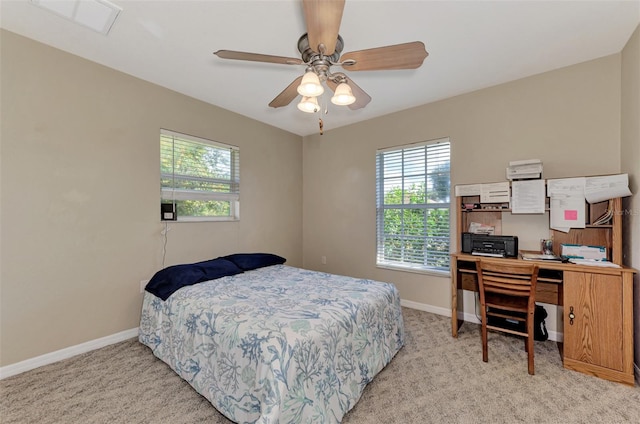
277	344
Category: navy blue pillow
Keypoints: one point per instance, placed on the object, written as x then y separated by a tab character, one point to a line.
170	279
217	268
166	281
249	261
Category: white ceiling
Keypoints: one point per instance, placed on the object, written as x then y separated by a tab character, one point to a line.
471	45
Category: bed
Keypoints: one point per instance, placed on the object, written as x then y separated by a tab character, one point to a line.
275	343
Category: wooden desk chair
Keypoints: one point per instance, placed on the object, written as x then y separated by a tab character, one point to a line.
507	292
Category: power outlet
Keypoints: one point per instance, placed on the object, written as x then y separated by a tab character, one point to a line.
323	260
143	284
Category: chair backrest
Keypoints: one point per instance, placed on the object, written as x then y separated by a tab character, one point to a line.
510	279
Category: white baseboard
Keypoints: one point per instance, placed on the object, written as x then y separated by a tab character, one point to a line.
637	369
553	335
59	355
427	308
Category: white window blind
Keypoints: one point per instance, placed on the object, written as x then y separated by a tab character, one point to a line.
413	204
201	177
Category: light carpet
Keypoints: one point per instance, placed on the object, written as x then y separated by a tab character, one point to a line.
433	379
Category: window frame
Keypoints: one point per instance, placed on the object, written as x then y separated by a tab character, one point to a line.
173	194
382	260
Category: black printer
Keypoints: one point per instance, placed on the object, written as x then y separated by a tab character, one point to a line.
489	245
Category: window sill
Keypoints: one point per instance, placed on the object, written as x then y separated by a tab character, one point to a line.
415	270
203	219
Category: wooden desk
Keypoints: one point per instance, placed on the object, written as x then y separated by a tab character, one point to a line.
597	318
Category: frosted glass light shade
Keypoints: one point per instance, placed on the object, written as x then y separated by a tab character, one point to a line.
310	85
309	104
343	95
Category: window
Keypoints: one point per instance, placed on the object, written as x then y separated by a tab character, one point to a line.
201	177
413	195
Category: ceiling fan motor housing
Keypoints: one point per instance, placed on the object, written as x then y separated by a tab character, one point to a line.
310	55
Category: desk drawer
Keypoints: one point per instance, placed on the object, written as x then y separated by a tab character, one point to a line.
469	281
548	293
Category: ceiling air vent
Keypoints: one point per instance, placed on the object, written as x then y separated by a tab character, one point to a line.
98	15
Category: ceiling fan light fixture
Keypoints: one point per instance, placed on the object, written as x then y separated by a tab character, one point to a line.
343	95
309	104
310	85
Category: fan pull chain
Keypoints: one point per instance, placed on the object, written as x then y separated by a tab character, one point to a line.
323	105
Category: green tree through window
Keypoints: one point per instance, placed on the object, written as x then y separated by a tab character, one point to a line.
413	206
199	176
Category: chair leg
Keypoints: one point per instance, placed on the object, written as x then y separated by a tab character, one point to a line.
485	349
530	355
529	345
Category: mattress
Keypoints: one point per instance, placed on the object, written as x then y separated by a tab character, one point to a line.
277	344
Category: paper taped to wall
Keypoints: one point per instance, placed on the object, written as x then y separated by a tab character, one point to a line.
599	189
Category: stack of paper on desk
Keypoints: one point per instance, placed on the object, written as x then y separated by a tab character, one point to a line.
540	257
591	262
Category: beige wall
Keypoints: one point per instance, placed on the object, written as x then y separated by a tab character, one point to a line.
79	181
80	195
630	163
568	118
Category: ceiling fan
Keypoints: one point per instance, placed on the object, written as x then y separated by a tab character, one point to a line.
320	49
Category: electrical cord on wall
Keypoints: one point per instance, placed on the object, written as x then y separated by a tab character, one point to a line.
477	303
164	243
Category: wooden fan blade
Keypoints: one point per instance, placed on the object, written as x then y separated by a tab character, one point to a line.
400	56
323	19
255	57
362	98
287	95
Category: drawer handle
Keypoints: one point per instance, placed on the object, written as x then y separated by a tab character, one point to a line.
571	315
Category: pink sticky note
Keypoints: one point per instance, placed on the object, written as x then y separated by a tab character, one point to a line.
571	215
